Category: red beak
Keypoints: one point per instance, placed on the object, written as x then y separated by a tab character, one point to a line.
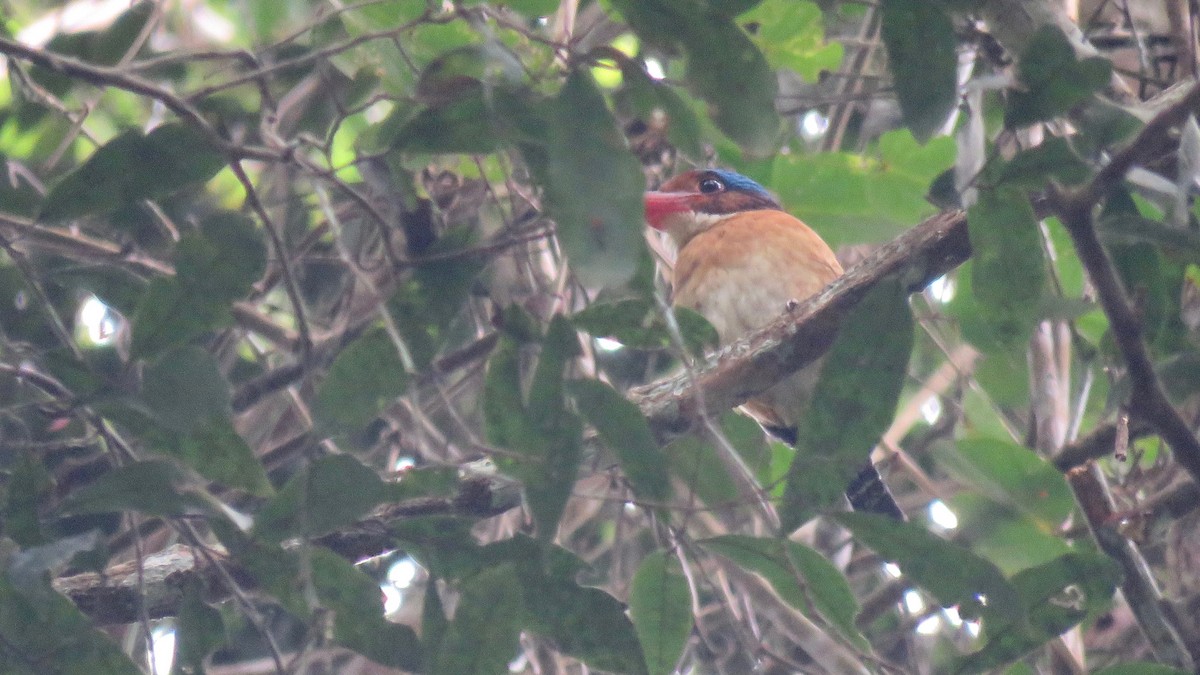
659	205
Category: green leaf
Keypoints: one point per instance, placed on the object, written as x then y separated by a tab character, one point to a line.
152	487
433	618
800	575
638	323
482	638
840	426
1008	270
923	57
168	316
1054	79
364	379
1053	159
29	488
223	259
545	434
357	607
217	452
1133	229
330	492
30	568
1010	474
851	199
467	69
951	573
132	167
200	631
461	126
593	185
53	629
650	97
724	67
424	306
504	417
559	347
214	266
726	70
627	434
660	607
184	389
103	48
695	462
1011	539
1054	597
791	35
586	623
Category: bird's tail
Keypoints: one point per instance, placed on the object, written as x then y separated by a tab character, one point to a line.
867	492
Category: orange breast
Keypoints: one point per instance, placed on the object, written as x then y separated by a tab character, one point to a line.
741	274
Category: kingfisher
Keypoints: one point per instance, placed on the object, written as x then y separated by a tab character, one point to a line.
741	260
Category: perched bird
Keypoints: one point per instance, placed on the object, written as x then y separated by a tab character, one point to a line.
741	260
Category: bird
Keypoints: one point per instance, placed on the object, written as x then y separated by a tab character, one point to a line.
741	261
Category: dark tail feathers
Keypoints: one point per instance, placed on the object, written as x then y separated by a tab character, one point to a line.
867	492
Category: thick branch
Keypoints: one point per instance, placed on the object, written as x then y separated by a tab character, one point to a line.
1149	400
117	597
757	362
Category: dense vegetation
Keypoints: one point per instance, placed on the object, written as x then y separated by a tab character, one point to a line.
304	304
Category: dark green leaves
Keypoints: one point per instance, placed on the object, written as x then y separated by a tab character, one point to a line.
539	428
638	323
189	400
184	389
923	57
1054	597
52	631
521	585
365	378
132	167
800	575
723	66
1038	604
1008	269
1054	79
482	638
593	185
1013	475
425	305
841	425
954	575
200	631
660	607
359	624
1052	159
627	435
152	487
214	267
330	492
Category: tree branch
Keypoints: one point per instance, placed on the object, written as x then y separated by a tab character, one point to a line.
1148	400
757	362
117	597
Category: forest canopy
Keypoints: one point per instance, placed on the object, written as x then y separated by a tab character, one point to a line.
333	339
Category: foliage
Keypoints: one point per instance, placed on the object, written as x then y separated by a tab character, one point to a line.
357	296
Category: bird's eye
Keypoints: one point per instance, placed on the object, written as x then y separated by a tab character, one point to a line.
711	185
